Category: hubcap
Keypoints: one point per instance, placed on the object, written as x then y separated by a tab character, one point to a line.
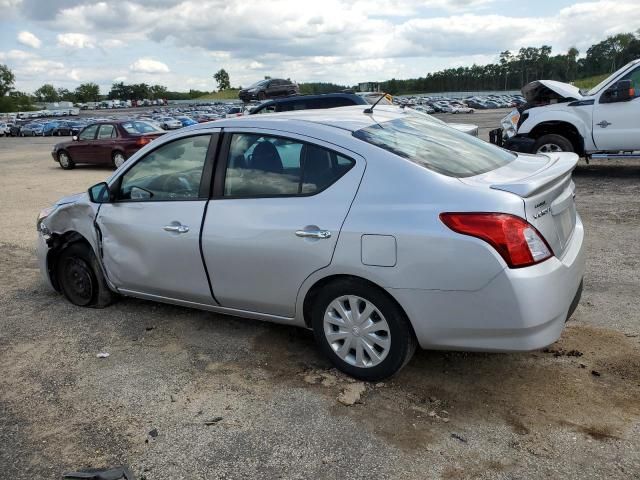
78	282
356	331
549	148
64	159
118	159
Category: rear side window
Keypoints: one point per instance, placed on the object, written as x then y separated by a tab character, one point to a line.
435	146
265	166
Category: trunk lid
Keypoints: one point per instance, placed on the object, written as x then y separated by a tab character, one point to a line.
544	183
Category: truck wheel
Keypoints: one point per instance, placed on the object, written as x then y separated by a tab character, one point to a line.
552	143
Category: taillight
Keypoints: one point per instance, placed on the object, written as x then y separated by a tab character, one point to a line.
142	141
517	241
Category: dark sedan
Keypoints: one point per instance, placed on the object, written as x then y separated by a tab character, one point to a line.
269	88
105	143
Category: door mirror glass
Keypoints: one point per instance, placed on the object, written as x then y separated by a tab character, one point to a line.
621	91
100	193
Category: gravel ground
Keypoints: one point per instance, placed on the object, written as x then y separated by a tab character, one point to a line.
572	411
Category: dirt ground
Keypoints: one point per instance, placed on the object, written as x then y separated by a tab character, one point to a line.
187	394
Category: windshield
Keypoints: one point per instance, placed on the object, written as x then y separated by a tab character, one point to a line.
140	127
602	84
258	84
436	146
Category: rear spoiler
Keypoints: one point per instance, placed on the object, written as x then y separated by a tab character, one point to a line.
561	165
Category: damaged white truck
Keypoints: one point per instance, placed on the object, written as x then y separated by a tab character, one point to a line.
603	122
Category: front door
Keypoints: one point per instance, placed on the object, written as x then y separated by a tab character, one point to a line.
616	126
276	219
82	150
104	143
151	231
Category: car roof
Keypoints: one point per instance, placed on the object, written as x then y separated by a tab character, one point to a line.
349	118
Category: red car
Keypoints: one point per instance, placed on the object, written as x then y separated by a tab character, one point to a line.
105	143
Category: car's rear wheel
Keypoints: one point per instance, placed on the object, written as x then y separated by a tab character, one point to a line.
118	159
362	330
65	160
552	143
80	278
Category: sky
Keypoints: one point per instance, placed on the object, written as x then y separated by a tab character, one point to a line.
182	43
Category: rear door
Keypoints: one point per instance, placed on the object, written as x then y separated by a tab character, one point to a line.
105	143
279	203
151	232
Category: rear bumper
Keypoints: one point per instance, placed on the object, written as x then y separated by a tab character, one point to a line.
518	310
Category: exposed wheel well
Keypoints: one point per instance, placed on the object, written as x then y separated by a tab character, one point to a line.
59	243
317	287
565	129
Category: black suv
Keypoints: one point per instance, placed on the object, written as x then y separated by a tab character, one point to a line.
308	102
273	87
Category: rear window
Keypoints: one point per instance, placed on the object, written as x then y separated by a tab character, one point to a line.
435	146
140	127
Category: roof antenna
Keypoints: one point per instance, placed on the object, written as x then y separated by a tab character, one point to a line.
370	109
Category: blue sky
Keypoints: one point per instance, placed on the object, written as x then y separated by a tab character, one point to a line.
181	43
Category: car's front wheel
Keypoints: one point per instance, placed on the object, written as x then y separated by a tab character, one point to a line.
65	160
80	278
362	330
552	143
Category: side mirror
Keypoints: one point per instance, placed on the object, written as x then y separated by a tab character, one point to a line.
621	91
74	138
100	193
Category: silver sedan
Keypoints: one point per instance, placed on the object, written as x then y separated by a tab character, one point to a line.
379	230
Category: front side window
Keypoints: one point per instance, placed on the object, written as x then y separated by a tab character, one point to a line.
260	165
89	133
171	172
435	146
634	76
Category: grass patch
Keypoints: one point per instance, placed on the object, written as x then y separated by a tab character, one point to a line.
230	94
590	82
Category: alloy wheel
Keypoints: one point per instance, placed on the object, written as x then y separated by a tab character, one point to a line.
549	148
356	331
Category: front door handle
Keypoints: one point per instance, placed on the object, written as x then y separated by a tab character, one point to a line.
176	228
313	233
604	124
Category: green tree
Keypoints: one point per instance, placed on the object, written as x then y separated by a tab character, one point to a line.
222	79
46	93
157	91
7	79
87	92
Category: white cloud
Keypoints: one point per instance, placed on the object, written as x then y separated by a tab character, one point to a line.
112	43
29	39
75	40
148	65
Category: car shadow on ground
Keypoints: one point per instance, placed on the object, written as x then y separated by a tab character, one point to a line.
602	169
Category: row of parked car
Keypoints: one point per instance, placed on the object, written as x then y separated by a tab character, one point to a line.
439	104
41	128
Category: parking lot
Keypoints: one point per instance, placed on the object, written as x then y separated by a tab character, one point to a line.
186	394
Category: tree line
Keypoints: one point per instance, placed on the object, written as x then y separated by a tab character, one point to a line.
511	72
515	69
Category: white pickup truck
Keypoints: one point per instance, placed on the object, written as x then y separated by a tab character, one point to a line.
601	123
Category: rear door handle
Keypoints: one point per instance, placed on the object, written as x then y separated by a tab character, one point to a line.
176	228
313	233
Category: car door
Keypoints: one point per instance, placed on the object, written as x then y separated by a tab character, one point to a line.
151	231
81	151
616	126
104	143
278	206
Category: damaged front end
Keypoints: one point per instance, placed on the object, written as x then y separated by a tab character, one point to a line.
538	93
69	220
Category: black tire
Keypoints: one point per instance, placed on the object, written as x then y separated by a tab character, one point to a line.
80	278
402	339
65	161
552	143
